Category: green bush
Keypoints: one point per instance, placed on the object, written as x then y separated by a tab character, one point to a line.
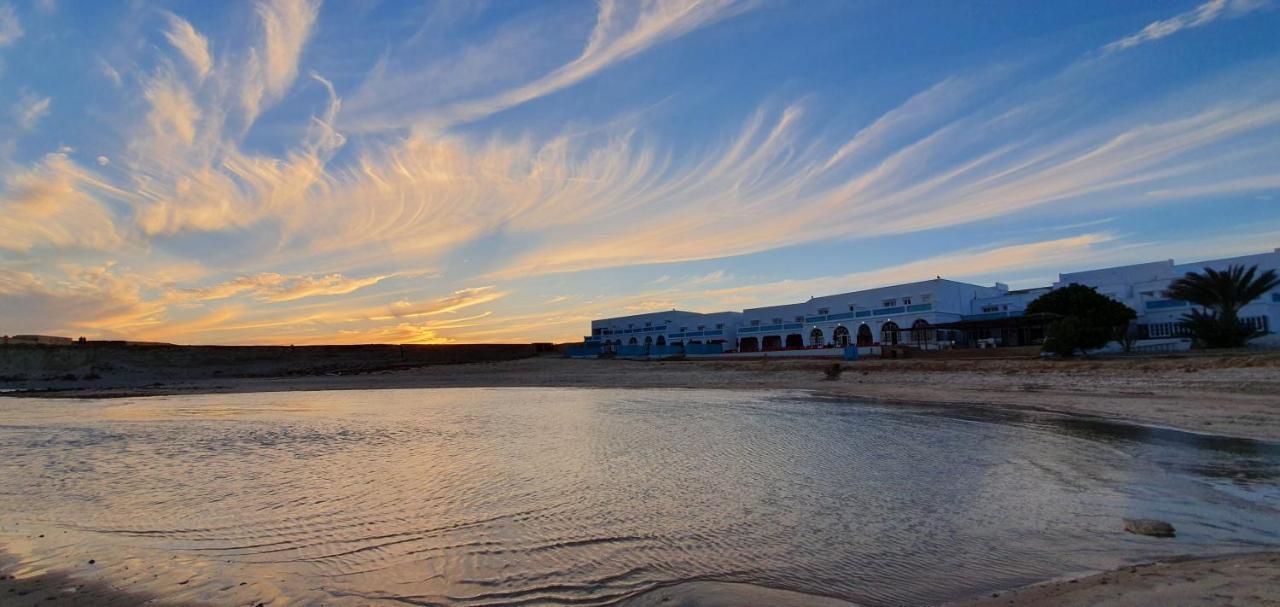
1086	319
1070	334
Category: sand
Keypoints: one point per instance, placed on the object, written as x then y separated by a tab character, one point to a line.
1252	579
1231	394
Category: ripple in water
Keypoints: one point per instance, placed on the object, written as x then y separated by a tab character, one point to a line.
560	496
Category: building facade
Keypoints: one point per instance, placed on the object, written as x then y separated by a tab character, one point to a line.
670	328
928	314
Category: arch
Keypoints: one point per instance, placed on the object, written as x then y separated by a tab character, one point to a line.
648	340
889	333
816	339
771	343
841	336
920	332
662	340
632	342
865	338
795	341
748	344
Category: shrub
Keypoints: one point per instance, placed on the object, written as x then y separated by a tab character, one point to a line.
1087	320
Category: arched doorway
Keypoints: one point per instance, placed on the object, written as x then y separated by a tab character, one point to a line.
631	342
816	339
662	341
748	344
864	335
889	333
771	343
648	340
920	332
841	336
795	342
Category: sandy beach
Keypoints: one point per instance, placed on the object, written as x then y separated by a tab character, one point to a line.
1233	394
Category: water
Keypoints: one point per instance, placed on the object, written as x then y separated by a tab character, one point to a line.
559	496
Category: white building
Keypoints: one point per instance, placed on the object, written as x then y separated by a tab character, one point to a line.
862	317
1141	287
929	313
672	327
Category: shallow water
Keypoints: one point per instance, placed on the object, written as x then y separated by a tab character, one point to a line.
558	496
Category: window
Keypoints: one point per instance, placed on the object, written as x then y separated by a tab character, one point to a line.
852	307
799	319
630	325
719	325
755	323
906	301
889	302
648	324
990	308
823	311
926	298
777	321
683	329
701	327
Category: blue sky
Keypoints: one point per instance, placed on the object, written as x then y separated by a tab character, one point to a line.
292	171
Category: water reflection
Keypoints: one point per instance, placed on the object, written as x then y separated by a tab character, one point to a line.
554	496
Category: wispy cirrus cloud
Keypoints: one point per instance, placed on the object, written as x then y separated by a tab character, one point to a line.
1202	15
297	203
193	46
10	27
622	30
275	288
30	108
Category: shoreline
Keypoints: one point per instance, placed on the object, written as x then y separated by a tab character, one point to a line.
1247	578
1233	396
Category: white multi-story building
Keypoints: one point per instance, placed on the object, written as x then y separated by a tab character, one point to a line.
928	313
861	317
1141	287
672	328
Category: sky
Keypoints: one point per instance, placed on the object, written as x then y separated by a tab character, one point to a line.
306	172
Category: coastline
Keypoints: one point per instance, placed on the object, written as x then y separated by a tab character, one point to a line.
1233	395
1251	578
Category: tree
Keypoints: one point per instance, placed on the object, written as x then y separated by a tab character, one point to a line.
1087	320
1069	333
1222	294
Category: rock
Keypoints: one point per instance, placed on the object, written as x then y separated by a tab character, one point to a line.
1148	526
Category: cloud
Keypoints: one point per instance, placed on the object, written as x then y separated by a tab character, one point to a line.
275	288
458	300
1201	15
272	67
53	204
193	46
10	27
622	30
30	108
98	300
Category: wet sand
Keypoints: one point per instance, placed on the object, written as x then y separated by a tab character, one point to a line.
1251	579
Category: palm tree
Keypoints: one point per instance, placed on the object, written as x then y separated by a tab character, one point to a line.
1222	294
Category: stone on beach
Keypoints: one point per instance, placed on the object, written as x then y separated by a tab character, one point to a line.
1148	526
